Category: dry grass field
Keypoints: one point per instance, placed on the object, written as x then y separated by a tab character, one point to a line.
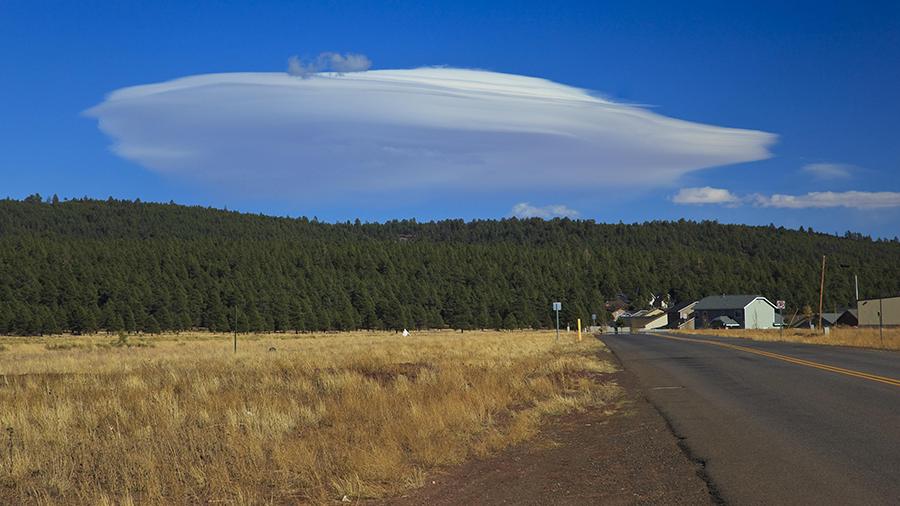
859	337
288	419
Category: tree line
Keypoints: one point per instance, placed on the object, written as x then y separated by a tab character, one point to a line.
86	265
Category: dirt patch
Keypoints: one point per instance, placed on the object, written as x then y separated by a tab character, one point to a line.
629	457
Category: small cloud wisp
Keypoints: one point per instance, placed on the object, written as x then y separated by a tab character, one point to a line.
526	210
847	199
328	61
828	171
705	195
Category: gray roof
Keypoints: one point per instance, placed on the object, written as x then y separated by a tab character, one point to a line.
644	313
681	306
726	302
831	317
876	299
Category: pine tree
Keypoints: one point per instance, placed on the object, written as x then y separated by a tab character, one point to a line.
164	318
510	322
80	321
49	326
130	324
5	319
297	317
254	321
242	324
109	319
184	321
151	326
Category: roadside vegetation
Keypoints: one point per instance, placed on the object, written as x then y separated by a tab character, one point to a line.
858	337
307	418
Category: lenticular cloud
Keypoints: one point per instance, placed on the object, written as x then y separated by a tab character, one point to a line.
386	130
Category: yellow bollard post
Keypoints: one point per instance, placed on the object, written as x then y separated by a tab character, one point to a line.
579	330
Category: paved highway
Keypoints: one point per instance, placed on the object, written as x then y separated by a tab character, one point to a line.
777	423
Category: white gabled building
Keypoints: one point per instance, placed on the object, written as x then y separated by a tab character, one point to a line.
646	319
749	311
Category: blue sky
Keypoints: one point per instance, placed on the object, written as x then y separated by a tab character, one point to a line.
821	76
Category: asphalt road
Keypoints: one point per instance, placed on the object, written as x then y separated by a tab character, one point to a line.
770	431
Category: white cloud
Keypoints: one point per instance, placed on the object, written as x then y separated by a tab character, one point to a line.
526	210
830	170
349	62
704	195
379	132
336	62
299	68
850	199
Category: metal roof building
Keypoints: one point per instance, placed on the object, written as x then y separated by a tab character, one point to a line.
748	311
884	311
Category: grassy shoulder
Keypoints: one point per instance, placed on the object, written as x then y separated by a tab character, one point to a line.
309	418
857	337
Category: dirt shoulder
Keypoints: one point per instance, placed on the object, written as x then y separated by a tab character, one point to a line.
630	457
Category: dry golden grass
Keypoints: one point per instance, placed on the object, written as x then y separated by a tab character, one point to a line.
184	420
859	337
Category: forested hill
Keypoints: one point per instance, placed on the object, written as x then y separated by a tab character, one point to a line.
83	265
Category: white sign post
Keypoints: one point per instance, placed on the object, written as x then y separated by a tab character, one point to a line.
780	305
557	306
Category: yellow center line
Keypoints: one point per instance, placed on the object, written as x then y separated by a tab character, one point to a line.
787	358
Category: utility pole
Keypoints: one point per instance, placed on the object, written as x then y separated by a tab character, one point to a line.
856	284
235	328
822	292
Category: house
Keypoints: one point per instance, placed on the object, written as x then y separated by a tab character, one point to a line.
618	313
748	311
849	318
646	319
804	322
661	301
686	325
680	314
617	304
828	320
875	312
846	318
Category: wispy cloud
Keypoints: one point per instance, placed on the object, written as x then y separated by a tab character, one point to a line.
705	195
830	170
848	199
334	62
383	131
526	210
